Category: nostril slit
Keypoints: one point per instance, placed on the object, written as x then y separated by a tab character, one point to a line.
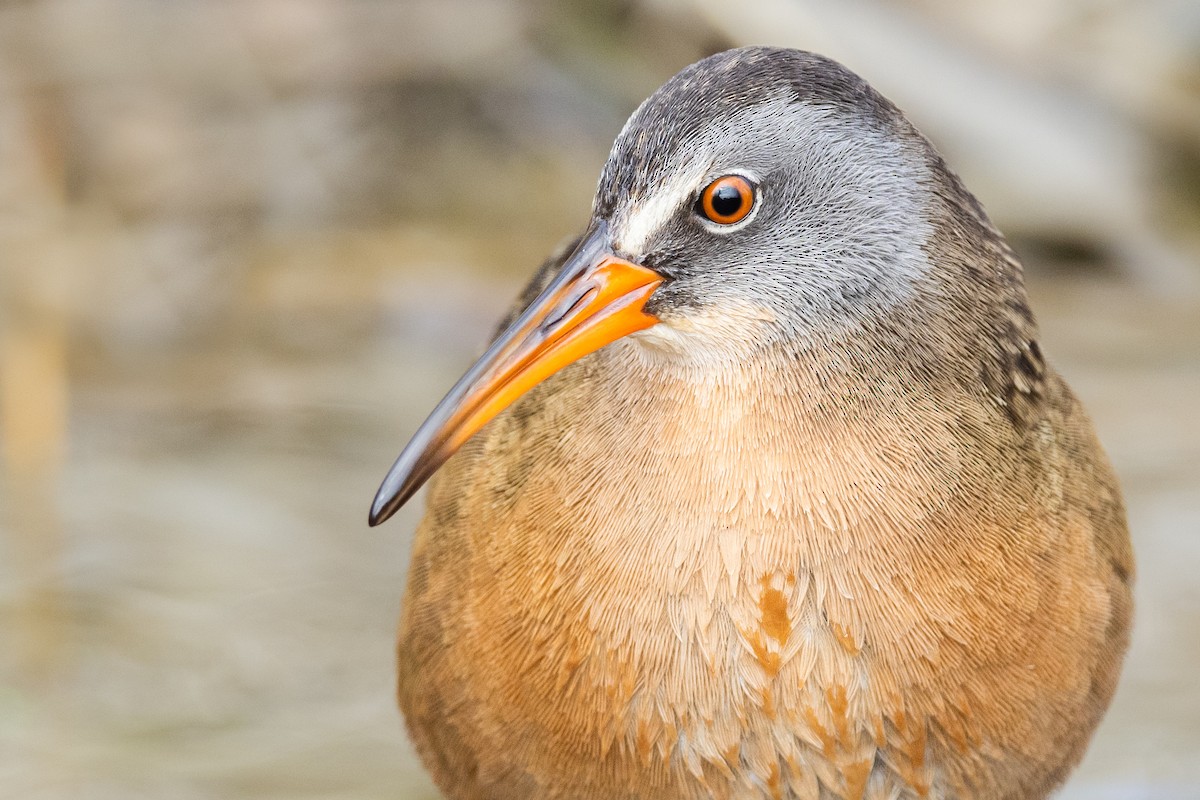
558	317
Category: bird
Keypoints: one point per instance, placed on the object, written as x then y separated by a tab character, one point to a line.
765	488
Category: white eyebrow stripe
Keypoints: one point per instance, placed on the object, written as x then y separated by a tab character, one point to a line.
637	225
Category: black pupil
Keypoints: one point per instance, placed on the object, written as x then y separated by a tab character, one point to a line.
727	201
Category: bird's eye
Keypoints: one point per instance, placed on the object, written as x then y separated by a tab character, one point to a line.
727	200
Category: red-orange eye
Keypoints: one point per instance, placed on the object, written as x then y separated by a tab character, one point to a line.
727	200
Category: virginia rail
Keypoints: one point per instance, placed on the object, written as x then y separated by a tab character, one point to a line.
766	489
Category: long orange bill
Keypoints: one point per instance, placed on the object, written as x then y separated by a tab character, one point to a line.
596	298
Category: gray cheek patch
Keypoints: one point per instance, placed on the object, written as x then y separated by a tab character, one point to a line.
842	231
848	194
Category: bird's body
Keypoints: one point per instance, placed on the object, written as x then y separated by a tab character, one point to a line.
871	554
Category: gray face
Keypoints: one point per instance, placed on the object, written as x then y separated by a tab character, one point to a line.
841	220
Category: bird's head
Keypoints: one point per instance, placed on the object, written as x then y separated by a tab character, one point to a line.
761	196
776	193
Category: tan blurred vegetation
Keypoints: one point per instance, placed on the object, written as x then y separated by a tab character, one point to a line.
245	245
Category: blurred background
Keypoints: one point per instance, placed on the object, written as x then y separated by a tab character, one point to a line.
245	245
